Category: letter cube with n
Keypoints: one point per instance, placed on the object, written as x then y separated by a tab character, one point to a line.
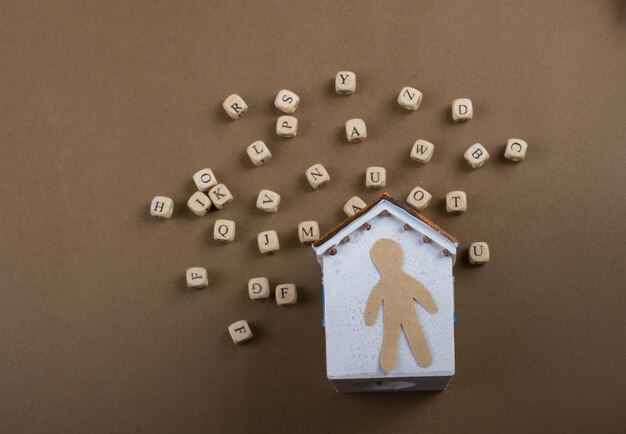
162	207
410	98
317	175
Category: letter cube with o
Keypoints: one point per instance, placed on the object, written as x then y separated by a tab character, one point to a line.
419	198
204	179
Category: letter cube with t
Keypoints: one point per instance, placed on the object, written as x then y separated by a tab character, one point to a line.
375	177
286	294
240	331
308	231
204	179
259	153
161	207
287	126
353	205
515	150
478	253
287	101
419	198
356	131
345	83
422	151
456	202
199	203
235	106
268	242
476	155
410	98
268	201
462	110
197	277
224	230
220	196
317	175
258	287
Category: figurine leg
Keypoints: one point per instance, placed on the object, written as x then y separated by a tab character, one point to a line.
389	349
417	340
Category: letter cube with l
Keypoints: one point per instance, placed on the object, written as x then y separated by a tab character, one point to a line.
419	198
410	98
462	110
220	196
356	131
161	207
287	101
259	153
258	287
308	231
197	277
240	331
317	175
268	242
235	106
422	151
476	155
478	253
345	83
224	230
287	126
286	294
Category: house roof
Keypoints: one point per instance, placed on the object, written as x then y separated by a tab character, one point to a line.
385	197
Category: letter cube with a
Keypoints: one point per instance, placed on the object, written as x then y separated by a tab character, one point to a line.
419	198
161	207
462	110
515	150
478	253
456	202
286	294
259	153
356	131
353	205
258	287
220	196
224	230
240	331
317	175
345	82
268	242
235	106
308	231
197	277
287	126
476	155
286	101
410	98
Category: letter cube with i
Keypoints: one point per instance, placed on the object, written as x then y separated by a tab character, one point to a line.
268	242
375	177
162	207
356	131
240	331
258	288
317	175
476	155
197	277
345	83
199	203
456	202
308	231
268	201
353	205
235	106
287	126
419	198
259	153
478	253
224	230
515	150
286	294
410	98
462	110
204	179
287	101
220	196
422	151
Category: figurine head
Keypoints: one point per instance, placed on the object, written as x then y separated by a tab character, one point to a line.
387	255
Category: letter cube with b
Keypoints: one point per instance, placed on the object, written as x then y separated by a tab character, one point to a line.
220	196
197	277
317	175
235	106
286	101
356	131
345	83
287	126
462	110
224	230
161	207
286	294
258	287
259	153
476	155
240	331
410	98
308	231
268	242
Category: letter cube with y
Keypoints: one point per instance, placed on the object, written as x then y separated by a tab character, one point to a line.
220	196
317	175
224	230
476	155
419	198
375	177
478	253
268	242
456	202
410	98
462	110
356	131
268	201
286	294
345	82
199	203
204	179
240	331
353	205
235	106
259	153
287	101
515	150
258	287
197	277
422	151
161	207
287	126
308	232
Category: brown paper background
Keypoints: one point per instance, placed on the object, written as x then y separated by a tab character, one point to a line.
104	105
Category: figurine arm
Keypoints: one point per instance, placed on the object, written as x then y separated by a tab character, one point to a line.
423	296
373	302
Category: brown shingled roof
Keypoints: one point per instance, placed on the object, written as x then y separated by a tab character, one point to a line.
388	198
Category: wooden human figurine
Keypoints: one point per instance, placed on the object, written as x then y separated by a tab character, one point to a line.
396	290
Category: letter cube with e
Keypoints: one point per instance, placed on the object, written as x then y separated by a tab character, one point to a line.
259	153
419	198
317	175
161	207
268	242
345	83
199	203
353	205
462	110
375	177
422	151
456	202
308	231
286	101
240	331
197	277
356	131
224	230
476	155
515	150
258	287
268	201
220	196
410	98
204	179
286	294
235	106
287	126
478	253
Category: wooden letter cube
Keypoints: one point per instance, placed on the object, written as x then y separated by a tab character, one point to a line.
456	202
224	230
259	153
199	203
286	101
204	179
317	175
286	294
197	277
422	151
287	126
162	207
353	205
258	287
240	331
462	110
375	177
410	98
220	196
235	106
419	198
268	242
515	150
345	82
478	253
268	201
356	131
308	232
476	155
